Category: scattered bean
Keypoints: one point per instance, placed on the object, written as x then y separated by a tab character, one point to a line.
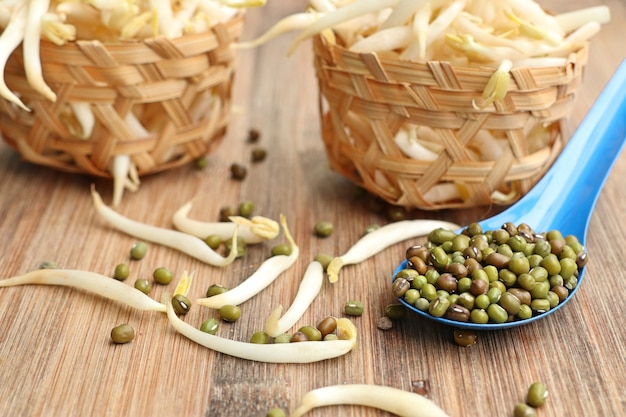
464	337
524	410
537	394
213	241
143	285
323	229
162	276
254	135
121	272
283	338
123	333
323	259
395	311
281	249
201	162
215	289
210	326
181	304
311	333
246	208
353	308
258	154
261	338
238	171
327	326
138	250
230	313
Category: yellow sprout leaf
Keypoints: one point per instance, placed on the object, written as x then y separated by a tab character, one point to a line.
497	86
184	284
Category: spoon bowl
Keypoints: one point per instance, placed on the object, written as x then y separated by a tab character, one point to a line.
565	196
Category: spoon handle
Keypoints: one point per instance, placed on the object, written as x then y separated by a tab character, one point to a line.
565	197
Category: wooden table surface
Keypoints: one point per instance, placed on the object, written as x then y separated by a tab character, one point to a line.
56	358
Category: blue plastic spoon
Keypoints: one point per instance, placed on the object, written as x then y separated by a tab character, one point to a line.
565	197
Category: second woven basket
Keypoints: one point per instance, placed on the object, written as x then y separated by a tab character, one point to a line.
365	102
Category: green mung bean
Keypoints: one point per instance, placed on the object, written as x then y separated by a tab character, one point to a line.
395	311
323	229
138	250
540	305
354	308
510	303
213	241
411	296
497	314
181	304
121	272
551	264
143	285
283	338
429	291
439	306
323	259
479	316
524	410
229	313
537	394
281	249
210	326
260	338
162	276
312	333
422	304
246	208
123	333
215	289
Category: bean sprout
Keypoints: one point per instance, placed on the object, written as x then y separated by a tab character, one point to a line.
10	39
301	352
408	143
92	282
182	242
288	23
254	230
393	400
310	287
378	240
259	280
30	45
340	15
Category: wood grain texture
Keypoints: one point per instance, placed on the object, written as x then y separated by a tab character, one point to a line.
56	358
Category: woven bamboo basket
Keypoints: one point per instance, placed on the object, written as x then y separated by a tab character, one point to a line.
178	91
365	100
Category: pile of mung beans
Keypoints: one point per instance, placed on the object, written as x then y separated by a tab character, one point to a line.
324	331
493	276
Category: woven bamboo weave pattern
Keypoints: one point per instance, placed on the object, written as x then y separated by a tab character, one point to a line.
366	100
161	101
